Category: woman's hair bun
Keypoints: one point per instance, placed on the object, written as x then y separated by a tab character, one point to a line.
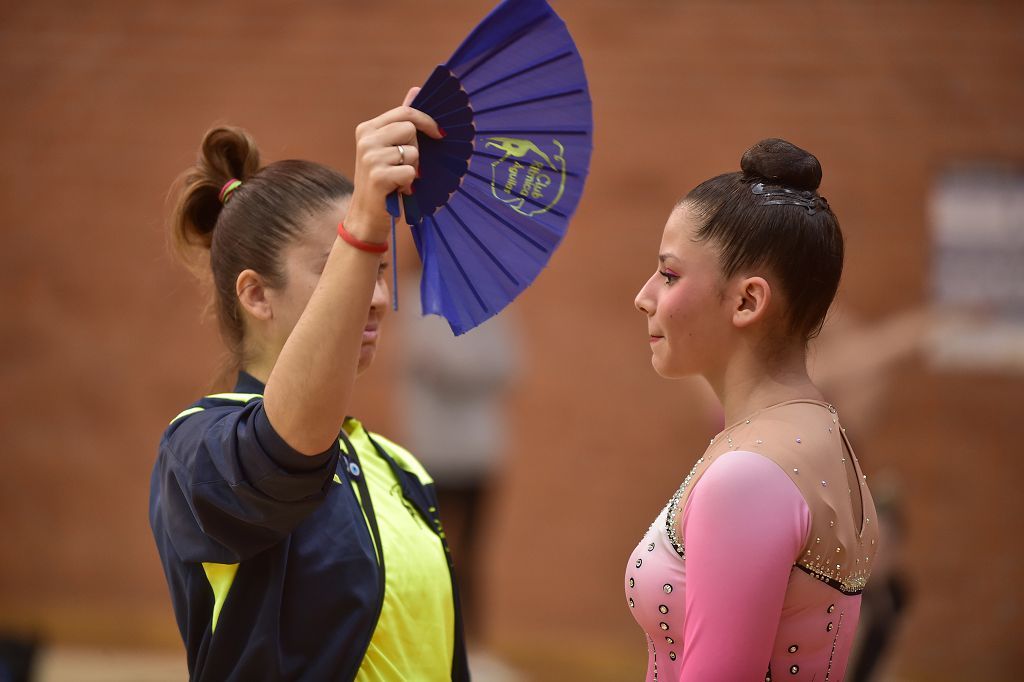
782	163
226	153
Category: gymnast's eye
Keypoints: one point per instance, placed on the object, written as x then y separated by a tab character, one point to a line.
669	276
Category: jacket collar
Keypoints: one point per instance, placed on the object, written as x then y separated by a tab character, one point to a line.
247	383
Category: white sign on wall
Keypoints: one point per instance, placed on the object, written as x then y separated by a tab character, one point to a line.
977	219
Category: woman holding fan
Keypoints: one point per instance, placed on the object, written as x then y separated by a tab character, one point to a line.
296	543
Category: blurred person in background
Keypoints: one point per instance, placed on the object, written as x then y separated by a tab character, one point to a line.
296	543
891	592
855	362
17	657
452	389
754	569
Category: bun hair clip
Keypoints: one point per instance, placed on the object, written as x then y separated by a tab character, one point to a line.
776	195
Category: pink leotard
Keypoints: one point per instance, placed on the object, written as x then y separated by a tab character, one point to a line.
759	576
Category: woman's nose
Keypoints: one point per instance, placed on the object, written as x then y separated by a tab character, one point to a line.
644	302
381	295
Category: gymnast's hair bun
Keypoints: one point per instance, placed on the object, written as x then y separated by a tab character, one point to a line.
782	163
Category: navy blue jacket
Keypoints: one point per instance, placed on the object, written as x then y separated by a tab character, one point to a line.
305	598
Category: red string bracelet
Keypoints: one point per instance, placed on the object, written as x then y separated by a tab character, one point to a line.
369	247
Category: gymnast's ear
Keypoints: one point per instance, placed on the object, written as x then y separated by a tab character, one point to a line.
751	299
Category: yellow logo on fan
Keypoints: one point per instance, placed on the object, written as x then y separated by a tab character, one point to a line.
525	177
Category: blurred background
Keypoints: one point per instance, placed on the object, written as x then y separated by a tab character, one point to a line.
913	108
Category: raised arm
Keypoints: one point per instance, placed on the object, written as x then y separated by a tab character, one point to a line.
310	386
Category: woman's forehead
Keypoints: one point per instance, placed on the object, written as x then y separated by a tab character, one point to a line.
680	230
321	228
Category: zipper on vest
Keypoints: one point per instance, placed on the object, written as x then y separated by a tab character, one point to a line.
355	471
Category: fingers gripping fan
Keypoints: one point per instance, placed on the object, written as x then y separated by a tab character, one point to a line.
496	193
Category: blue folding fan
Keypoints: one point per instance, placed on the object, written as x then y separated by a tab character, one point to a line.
496	194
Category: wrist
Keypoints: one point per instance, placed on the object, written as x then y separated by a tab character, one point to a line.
368	226
376	247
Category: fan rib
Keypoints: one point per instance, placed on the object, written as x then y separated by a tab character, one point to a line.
450	129
532	100
451	112
506	223
501	47
462	271
423	104
521	72
426	95
482	246
437	105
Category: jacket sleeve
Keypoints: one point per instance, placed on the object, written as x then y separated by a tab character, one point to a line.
744	524
227	486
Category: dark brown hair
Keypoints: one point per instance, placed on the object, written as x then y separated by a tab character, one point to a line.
796	238
259	218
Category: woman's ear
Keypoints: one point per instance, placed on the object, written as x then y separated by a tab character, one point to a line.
252	294
753	297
